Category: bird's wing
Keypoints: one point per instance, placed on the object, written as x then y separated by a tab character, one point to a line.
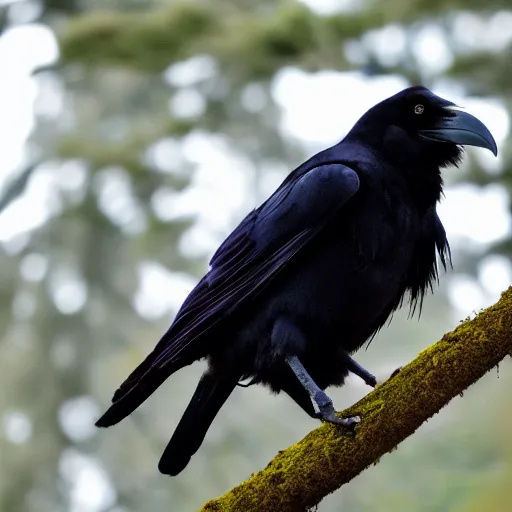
264	242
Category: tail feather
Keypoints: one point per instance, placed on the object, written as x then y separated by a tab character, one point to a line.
211	393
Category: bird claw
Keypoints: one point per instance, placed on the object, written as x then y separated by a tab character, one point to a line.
371	380
355	368
328	414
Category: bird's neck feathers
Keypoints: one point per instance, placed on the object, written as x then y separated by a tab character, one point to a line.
425	184
419	162
431	251
423	174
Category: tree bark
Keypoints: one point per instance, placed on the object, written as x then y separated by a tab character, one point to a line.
328	457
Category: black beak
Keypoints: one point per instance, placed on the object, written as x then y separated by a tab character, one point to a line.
461	128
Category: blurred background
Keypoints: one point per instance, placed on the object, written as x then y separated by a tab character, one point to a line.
134	135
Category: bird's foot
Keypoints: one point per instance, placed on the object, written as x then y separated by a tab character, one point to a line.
355	368
327	413
370	380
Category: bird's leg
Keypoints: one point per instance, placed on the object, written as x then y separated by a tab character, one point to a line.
324	404
355	368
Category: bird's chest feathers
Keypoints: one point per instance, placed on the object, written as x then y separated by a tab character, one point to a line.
396	243
386	227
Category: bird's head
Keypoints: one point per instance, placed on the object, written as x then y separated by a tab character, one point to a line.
415	128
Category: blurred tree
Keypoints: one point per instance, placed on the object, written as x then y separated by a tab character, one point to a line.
149	91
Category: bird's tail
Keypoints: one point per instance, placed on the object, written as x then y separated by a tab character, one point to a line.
211	393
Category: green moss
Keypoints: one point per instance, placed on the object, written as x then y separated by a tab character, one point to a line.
300	476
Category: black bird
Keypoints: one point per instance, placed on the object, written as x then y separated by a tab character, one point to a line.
314	272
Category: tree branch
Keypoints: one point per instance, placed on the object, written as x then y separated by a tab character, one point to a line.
328	457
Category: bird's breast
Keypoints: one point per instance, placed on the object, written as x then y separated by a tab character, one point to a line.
350	277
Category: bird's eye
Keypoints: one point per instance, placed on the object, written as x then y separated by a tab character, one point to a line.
419	109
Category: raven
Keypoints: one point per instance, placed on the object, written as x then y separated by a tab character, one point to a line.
314	272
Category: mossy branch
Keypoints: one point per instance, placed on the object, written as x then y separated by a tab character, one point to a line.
301	476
